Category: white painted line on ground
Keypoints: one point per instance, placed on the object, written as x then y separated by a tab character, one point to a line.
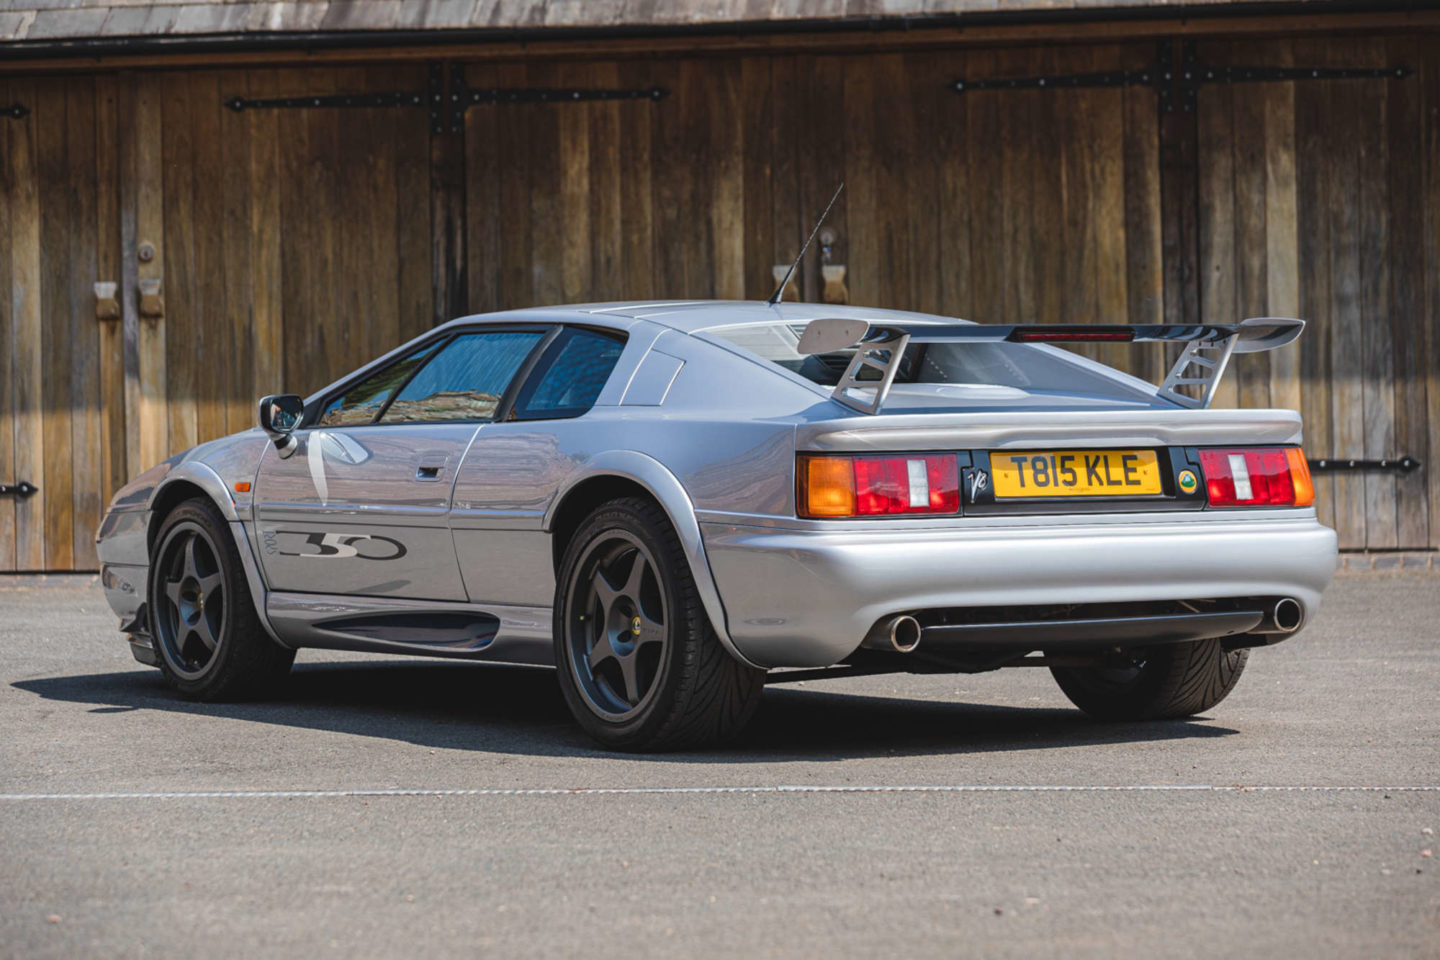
603	791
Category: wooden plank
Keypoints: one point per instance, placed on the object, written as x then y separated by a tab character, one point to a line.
1216	183
1179	190
1378	370
447	224
114	470
265	189
914	172
1282	252
351	202
484	239
514	133
148	131
55	345
214	359
179	284
1430	111
986	161
240	393
1411	330
27	324
1312	142
757	120
871	279
80	274
1144	262
787	231
606	194
1347	396
637	191
415	306
570	241
954	183
726	204
8	292
1248	149
547	201
377	245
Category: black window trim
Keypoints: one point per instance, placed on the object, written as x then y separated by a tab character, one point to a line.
548	330
541	366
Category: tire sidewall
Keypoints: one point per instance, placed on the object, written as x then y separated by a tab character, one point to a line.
236	592
681	631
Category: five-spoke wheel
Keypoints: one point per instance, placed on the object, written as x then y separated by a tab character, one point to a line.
203	623
618	632
188	622
639	664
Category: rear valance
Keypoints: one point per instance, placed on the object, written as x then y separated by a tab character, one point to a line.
879	347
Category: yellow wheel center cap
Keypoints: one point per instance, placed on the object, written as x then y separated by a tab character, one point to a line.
635	626
200	601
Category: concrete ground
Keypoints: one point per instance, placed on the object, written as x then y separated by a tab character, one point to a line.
399	807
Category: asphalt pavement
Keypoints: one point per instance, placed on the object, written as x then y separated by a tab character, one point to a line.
389	807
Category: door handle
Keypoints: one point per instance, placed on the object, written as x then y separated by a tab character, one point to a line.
431	467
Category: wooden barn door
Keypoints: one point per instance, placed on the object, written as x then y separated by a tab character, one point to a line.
288	244
1311	203
61	389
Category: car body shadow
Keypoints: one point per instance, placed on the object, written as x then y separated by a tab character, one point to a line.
518	710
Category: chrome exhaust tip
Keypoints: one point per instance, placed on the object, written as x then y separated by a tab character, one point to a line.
904	634
1284	616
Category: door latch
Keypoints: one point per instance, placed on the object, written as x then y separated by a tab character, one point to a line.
22	489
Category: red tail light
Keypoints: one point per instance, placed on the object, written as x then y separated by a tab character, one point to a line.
1039	333
829	486
1257	477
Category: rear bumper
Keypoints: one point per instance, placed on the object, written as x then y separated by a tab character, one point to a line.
807	597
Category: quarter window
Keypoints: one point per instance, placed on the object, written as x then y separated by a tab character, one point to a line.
579	363
465	380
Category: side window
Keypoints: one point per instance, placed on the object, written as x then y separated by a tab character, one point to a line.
359	403
465	380
568	382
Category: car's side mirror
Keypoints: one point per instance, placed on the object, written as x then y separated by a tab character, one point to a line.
280	414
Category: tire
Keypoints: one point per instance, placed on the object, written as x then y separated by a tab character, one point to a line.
208	650
1177	680
639	665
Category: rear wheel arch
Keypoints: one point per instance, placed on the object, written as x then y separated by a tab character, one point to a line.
622	474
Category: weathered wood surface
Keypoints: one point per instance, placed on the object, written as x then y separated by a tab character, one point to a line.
294	244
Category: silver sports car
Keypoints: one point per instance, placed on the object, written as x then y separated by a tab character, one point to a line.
674	503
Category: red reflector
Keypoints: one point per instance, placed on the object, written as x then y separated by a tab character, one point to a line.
1047	335
1248	477
883	486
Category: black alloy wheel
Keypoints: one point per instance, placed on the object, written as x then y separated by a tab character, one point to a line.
190	616
639	664
617	629
210	641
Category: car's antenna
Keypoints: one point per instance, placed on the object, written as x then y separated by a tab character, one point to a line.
775	297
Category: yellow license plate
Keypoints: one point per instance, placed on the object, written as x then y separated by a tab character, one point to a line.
1075	473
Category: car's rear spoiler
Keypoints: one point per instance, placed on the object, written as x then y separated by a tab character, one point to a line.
880	346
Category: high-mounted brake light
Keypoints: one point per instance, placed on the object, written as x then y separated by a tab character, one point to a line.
1257	477
1044	334
840	486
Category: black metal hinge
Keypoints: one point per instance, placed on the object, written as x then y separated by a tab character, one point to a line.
16	111
1179	84
463	96
432	97
22	489
1402	464
447	109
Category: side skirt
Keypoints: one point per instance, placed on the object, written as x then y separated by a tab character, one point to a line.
495	632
